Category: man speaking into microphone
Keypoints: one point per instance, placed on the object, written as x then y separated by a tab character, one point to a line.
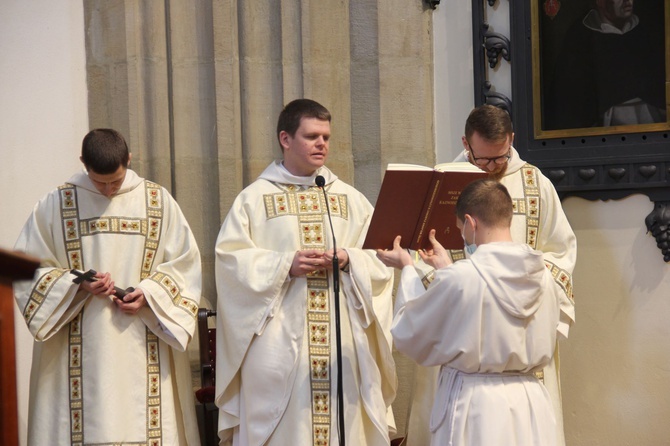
276	348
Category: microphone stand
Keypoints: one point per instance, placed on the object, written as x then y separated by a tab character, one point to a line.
320	182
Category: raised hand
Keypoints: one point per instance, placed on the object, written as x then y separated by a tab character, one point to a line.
437	257
398	257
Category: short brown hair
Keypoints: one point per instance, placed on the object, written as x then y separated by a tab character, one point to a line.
104	150
486	200
294	111
490	122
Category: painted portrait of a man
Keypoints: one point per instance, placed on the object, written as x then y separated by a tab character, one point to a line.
609	67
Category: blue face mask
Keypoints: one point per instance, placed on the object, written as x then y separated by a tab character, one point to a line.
469	247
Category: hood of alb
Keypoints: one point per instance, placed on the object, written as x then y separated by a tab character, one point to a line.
514	274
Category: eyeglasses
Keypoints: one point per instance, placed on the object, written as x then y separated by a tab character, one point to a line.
483	161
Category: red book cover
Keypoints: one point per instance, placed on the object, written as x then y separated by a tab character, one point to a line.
415	199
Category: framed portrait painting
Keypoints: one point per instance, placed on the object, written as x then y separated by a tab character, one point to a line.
591	93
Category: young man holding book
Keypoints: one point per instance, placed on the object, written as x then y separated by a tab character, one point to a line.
489	321
538	220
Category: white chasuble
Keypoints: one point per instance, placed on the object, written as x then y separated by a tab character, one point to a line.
100	376
276	350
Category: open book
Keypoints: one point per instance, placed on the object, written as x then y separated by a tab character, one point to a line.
414	199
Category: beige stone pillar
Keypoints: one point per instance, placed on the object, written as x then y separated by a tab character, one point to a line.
193	124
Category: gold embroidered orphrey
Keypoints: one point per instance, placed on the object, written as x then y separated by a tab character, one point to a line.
530	206
309	206
74	229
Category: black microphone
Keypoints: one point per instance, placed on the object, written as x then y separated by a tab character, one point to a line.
321	182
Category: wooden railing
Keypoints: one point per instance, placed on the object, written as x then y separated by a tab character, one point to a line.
13	266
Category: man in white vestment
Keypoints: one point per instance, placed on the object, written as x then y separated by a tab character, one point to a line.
276	351
538	221
110	370
489	322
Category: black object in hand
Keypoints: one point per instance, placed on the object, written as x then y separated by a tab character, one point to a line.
89	276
